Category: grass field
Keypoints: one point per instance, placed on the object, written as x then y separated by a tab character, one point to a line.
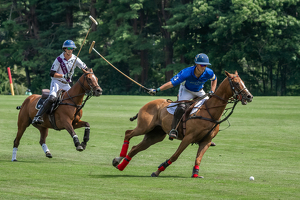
262	141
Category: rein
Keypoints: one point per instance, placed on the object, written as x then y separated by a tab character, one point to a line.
236	98
89	93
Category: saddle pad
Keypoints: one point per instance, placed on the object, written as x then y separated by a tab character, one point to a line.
172	107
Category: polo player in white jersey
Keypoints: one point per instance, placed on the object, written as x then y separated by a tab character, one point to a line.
61	75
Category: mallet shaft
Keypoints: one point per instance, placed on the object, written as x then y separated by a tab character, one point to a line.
84	41
120	71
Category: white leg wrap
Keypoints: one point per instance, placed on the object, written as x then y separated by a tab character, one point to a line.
87	127
45	148
75	136
14	154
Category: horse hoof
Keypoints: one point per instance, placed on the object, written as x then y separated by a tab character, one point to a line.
79	148
83	145
153	175
197	176
15	160
212	144
115	163
48	155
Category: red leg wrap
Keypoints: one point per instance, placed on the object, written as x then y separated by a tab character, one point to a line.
164	165
195	171
125	162
195	175
124	148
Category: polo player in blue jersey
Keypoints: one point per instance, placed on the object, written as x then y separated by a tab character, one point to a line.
191	82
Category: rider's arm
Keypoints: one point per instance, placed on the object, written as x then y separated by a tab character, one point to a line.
166	86
55	74
213	85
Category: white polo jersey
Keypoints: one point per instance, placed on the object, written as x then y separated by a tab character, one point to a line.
57	66
63	67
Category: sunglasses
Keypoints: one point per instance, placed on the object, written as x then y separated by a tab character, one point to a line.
203	65
70	48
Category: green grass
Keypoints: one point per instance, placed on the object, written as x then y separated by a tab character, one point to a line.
262	141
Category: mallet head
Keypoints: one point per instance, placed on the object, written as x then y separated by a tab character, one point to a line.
92	46
93	19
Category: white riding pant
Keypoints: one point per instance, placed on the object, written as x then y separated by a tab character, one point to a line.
185	94
57	85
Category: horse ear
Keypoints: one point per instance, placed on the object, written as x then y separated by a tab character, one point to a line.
236	73
227	74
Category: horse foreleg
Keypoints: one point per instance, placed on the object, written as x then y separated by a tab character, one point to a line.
71	131
203	146
184	143
44	134
86	136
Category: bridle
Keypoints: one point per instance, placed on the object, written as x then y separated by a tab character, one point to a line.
86	90
236	94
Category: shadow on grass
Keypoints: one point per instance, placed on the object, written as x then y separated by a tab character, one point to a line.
130	176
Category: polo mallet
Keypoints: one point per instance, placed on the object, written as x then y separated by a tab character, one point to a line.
84	39
92	48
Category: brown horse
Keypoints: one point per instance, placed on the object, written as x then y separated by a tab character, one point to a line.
154	122
67	115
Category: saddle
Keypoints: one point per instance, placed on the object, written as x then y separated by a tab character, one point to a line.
45	94
190	105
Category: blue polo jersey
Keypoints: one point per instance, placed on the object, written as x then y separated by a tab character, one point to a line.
193	83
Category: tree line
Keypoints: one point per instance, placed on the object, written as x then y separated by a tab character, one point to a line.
152	40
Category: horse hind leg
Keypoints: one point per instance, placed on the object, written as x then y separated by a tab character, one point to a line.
44	134
150	138
128	135
22	125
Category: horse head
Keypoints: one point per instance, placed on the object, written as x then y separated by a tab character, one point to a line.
240	92
90	83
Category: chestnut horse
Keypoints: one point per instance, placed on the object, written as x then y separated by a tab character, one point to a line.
67	115
154	122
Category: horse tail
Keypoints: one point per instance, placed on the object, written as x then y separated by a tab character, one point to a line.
134	117
18	107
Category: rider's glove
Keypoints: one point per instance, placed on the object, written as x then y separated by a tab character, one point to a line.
153	92
210	93
67	75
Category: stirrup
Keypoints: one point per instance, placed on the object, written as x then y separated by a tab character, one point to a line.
173	134
37	120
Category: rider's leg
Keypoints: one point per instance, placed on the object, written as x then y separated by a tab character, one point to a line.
45	108
176	119
183	94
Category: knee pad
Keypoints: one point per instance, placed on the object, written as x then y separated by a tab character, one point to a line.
180	109
52	98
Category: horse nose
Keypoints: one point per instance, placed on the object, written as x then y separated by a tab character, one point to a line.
99	91
250	97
